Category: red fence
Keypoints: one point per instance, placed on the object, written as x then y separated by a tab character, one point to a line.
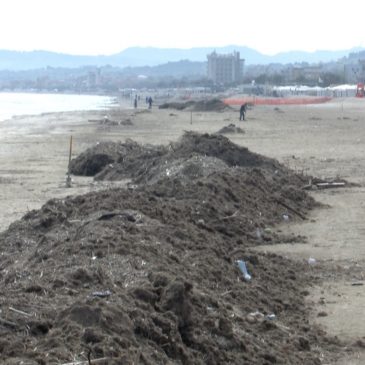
277	101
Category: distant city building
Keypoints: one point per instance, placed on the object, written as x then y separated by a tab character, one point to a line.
94	78
305	73
355	72
225	68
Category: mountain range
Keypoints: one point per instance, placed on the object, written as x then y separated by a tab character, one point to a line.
149	56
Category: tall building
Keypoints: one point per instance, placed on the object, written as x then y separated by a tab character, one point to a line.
225	68
355	72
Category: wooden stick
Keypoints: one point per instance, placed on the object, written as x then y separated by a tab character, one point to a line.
68	183
331	185
6	323
19	312
69	157
226	293
87	362
229	216
290	208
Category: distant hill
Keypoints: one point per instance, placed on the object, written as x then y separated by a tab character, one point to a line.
148	56
155	56
14	60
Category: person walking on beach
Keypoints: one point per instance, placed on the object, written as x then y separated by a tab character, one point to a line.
135	102
243	111
150	102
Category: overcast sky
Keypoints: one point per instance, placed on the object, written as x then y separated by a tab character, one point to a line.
109	26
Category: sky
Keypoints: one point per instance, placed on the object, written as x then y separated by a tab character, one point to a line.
95	27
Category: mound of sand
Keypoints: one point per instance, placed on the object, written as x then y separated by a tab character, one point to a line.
145	163
149	275
177	105
201	105
111	122
231	129
153	170
96	158
126	122
210	105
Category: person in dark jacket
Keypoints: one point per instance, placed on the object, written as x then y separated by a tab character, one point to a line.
243	111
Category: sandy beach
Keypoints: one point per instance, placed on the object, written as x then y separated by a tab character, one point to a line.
325	140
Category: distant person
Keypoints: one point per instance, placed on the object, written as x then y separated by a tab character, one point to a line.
243	111
135	102
150	103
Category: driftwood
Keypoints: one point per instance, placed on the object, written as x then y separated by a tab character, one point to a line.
87	362
308	186
19	312
6	323
290	208
328	185
230	216
324	185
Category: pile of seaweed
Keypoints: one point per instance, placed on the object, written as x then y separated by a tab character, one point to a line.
231	129
150	275
193	152
201	105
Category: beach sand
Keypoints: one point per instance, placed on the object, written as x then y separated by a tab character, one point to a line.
321	140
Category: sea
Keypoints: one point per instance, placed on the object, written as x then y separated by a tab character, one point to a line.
14	104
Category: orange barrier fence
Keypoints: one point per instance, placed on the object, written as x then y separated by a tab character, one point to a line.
277	101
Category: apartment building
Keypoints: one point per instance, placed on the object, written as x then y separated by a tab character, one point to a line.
225	68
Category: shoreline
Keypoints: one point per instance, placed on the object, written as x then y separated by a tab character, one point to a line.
30	104
34	158
34	153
